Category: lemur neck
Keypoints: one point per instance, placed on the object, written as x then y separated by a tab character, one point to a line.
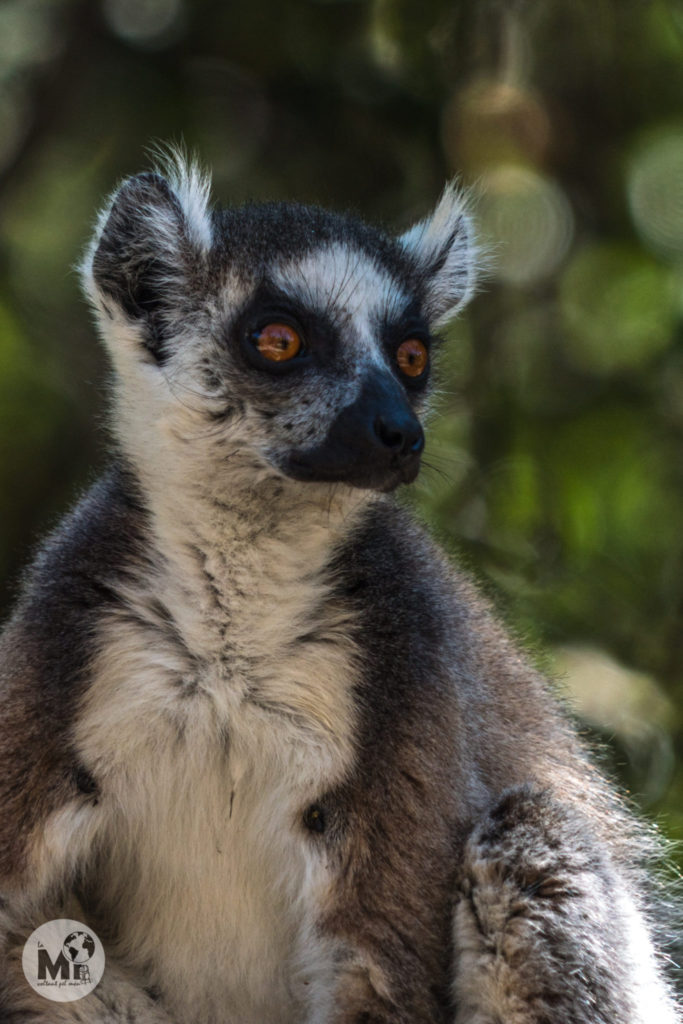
242	555
252	517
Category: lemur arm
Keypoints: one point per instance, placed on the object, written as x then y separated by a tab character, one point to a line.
546	927
483	803
545	930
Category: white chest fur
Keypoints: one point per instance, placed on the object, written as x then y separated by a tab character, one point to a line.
210	728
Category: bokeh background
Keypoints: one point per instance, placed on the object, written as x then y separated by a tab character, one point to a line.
556	461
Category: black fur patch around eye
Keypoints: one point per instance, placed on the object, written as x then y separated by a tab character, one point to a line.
314	818
410	323
269	304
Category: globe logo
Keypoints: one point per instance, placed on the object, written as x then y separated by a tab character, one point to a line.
79	947
62	969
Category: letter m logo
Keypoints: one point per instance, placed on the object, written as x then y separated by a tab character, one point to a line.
46	966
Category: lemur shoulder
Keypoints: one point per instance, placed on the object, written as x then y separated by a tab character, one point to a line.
256	731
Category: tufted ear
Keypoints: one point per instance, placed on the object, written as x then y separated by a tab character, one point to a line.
444	253
149	246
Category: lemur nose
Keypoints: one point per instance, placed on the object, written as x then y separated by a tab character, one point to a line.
403	437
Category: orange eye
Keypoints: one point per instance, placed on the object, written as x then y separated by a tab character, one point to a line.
412	357
278	342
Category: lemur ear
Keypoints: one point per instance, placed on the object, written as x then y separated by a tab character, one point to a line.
444	254
149	246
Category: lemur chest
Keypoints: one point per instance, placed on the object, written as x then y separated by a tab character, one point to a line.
209	880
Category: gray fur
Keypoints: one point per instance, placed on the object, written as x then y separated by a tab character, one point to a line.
259	716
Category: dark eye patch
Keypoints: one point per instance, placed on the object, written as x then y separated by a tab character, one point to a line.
394	330
268	305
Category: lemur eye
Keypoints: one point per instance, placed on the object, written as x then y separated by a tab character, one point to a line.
412	357
277	342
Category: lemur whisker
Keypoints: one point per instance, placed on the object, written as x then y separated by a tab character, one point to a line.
438	470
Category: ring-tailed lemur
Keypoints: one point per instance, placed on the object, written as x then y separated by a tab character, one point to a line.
256	732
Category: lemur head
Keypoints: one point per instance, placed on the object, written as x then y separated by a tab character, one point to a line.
278	339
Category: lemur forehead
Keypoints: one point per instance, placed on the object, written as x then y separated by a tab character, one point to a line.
342	282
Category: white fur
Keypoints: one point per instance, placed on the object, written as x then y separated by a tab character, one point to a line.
192	185
445	240
652	1001
347	284
208	750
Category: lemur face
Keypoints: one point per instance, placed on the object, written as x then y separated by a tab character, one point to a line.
303	338
330	356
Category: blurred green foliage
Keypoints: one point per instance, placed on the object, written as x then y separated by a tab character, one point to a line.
554	469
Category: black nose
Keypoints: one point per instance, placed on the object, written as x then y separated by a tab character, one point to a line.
402	435
375	442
